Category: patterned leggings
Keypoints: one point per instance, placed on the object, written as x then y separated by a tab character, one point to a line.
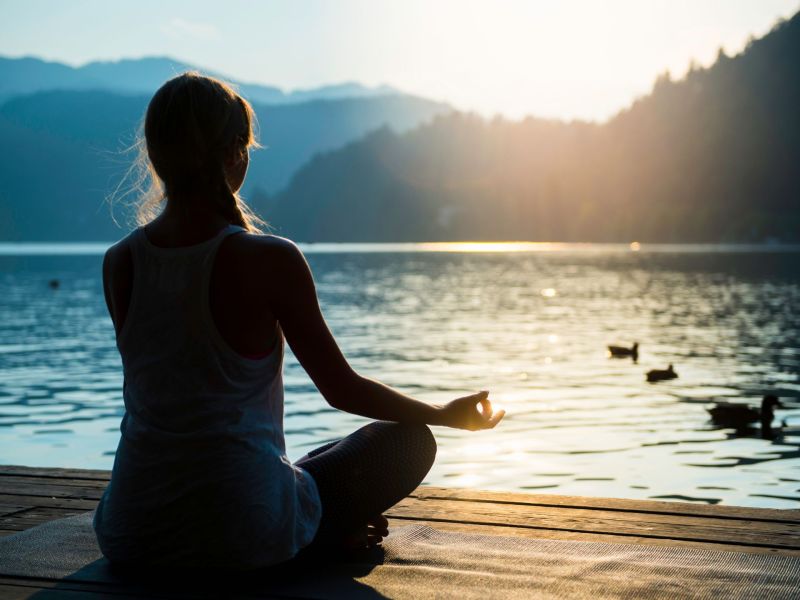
365	473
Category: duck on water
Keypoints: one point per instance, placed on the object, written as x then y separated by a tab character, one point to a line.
661	374
733	414
624	351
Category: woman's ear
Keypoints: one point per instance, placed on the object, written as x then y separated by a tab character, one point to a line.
235	164
234	156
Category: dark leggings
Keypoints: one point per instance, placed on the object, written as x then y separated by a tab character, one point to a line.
364	474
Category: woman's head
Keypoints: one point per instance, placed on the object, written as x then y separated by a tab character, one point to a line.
197	132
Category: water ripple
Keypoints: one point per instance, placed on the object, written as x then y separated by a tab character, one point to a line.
530	326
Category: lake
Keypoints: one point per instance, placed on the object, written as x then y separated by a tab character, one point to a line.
529	322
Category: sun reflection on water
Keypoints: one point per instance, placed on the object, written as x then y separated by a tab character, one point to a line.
439	326
467	480
492	246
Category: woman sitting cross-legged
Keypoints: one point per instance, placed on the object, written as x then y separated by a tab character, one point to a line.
201	303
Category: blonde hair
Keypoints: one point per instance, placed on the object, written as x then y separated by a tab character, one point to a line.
193	122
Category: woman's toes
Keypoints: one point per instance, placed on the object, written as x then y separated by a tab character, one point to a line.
380	524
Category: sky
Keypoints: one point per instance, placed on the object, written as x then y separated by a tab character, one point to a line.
565	59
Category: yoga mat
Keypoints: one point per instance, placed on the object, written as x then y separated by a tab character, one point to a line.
422	562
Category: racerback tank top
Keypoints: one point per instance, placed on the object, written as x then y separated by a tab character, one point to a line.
200	475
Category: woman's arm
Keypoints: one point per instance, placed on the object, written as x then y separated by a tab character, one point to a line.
297	309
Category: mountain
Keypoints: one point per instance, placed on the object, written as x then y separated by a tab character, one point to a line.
710	158
62	152
143	76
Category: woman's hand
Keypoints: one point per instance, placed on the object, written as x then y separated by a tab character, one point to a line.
463	413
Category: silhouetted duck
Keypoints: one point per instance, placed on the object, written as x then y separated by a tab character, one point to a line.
624	351
738	415
661	374
54	284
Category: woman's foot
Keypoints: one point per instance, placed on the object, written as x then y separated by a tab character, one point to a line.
368	536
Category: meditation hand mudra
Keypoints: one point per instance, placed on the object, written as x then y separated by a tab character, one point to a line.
201	303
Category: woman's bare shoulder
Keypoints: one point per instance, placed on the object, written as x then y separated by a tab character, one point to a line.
118	257
266	242
258	252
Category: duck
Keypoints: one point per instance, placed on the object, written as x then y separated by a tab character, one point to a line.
661	374
739	415
624	351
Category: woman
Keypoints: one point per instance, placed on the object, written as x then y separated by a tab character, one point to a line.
201	303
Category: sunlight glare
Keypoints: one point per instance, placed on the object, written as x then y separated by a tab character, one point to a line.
480	449
491	246
467	480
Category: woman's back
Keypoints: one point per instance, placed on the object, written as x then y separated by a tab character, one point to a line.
202	452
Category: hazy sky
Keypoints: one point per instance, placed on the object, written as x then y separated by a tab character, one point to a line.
551	58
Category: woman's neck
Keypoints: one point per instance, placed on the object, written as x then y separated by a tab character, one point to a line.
181	225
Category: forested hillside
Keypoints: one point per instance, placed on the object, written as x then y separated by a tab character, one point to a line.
712	157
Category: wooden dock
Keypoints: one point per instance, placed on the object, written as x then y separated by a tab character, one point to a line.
30	496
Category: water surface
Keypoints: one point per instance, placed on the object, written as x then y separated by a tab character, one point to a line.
528	322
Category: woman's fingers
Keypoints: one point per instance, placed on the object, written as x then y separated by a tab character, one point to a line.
484	413
495	419
475	412
473	398
486	406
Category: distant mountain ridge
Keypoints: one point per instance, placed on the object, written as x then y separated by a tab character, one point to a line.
28	75
61	145
710	158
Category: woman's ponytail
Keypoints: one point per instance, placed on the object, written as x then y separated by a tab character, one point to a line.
227	202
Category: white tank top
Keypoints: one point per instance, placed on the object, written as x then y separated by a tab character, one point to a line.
200	475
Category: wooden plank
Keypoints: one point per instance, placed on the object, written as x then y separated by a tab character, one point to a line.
511	530
58	482
595	521
651	519
32	501
51	491
97	479
602	521
10	509
615	504
95	474
34	516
